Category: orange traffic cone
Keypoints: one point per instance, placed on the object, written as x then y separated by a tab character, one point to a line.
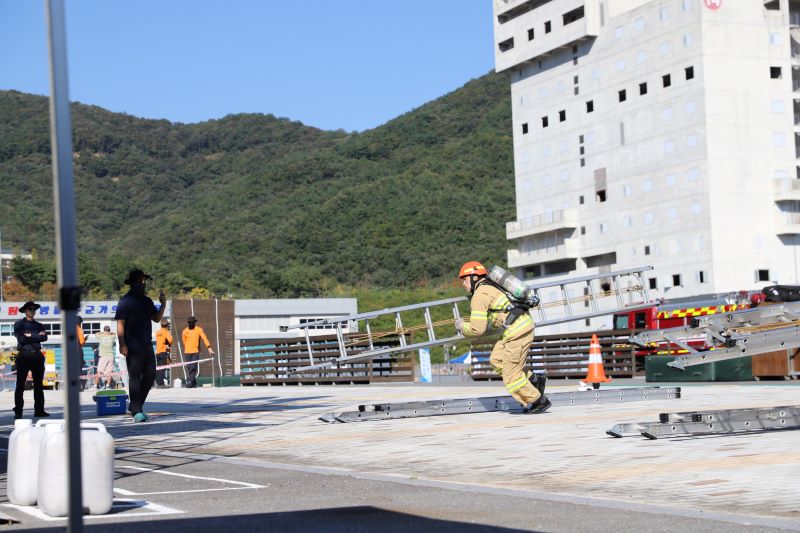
596	374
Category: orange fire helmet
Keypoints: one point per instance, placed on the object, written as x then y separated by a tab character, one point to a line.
472	267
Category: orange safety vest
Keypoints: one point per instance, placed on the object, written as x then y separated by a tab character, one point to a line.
163	340
191	339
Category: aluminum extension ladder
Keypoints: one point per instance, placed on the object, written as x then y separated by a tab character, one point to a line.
731	335
712	422
392	411
561	301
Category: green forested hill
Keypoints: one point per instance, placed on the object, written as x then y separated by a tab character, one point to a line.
259	206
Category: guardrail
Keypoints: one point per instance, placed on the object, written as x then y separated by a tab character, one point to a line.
268	362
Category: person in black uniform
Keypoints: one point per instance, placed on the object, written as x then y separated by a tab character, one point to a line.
135	315
30	335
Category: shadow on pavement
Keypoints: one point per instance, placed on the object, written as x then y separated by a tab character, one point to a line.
350	519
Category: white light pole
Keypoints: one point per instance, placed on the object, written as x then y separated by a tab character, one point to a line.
69	294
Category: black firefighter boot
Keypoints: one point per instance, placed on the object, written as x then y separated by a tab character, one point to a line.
539	382
539	406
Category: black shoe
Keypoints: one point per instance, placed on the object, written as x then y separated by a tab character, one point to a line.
539	406
41	414
17	414
539	383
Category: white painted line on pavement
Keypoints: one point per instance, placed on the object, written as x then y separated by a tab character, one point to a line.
120	506
124	492
243	484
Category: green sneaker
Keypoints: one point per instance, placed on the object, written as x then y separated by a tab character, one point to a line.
140	417
146	416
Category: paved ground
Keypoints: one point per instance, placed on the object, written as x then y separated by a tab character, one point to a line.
252	458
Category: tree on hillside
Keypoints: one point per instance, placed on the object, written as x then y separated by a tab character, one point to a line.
32	272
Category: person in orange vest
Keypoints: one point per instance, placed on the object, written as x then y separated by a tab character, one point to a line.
163	347
191	337
80	334
490	306
81	337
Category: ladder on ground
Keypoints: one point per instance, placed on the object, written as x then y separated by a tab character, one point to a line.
730	335
712	422
457	406
561	301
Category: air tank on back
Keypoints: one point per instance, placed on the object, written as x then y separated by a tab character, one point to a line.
513	285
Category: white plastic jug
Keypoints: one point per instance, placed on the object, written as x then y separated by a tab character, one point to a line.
97	470
177	383
23	460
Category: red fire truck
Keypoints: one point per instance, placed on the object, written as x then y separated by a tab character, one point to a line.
679	313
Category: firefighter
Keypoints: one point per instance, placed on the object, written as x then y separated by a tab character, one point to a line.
489	306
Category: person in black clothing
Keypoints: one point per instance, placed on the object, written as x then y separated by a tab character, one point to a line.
30	335
135	314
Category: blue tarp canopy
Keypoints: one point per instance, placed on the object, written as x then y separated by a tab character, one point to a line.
463	359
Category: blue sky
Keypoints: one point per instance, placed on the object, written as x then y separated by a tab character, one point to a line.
349	64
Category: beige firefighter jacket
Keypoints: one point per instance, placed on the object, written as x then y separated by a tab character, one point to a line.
489	307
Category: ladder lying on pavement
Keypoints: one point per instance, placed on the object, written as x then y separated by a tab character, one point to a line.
712	422
561	301
731	335
392	411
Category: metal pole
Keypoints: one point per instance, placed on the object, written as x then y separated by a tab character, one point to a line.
66	250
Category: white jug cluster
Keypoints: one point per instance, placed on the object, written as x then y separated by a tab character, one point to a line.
38	470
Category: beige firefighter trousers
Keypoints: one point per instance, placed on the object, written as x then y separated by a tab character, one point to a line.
508	358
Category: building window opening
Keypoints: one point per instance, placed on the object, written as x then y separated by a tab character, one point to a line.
590	106
642	89
623	95
689	73
647	249
666	80
583	230
548	27
653	283
583	162
544	122
601	196
775	73
525	128
572	16
762	275
676	280
580	200
506	45
530	34
562	115
701	276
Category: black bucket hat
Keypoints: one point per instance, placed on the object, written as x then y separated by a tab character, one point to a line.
29	305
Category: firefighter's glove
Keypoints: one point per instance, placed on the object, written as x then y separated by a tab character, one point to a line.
459	325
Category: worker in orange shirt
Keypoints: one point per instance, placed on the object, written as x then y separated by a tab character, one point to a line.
81	341
163	348
191	337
